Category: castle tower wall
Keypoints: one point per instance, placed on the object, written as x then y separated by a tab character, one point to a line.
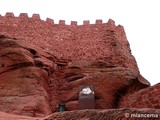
74	42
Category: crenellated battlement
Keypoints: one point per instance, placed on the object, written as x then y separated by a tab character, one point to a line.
74	23
9	14
86	22
36	16
61	22
99	22
100	37
23	15
49	24
50	21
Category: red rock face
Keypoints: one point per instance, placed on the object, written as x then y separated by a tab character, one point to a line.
23	78
145	98
110	114
43	64
102	75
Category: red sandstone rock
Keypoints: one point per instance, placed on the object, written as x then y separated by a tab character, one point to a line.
110	114
30	74
145	98
6	116
24	72
44	64
103	76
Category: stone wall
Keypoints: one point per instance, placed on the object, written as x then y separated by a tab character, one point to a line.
74	42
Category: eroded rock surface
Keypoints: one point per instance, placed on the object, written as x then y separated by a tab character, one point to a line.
43	64
33	80
108	81
145	98
110	114
24	72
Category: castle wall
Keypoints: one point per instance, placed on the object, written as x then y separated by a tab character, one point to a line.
72	42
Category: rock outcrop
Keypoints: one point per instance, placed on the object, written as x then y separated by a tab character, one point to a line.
24	71
109	114
145	98
43	64
103	76
33	81
6	116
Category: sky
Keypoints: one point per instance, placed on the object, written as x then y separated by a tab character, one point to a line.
140	18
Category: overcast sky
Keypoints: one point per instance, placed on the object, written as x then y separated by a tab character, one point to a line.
140	18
